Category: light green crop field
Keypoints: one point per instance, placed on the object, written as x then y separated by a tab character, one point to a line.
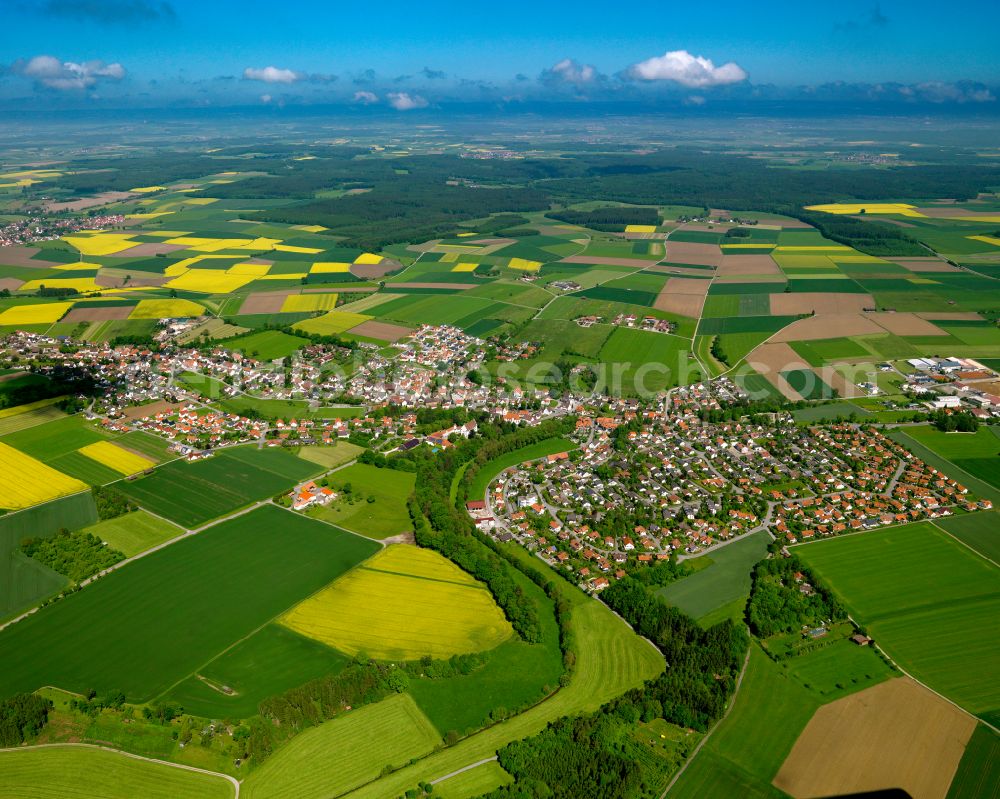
474	782
330	457
135	532
839	669
876	574
59	772
771	709
346	752
614	660
981	531
385	516
726	580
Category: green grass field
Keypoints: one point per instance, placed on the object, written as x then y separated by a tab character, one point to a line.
875	573
981	531
56	438
134	532
345	753
489	470
63	771
272	660
839	669
153	623
191	494
267	345
976	453
978	775
770	709
330	457
474	782
724	581
383	517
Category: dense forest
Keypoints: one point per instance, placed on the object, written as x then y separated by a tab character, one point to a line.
76	555
22	716
612	218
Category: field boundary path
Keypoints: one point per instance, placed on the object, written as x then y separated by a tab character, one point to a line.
231	780
732	703
462	770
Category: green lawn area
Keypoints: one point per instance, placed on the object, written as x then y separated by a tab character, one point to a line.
56	773
647	362
474	782
272	660
612	660
134	532
146	627
191	494
484	476
376	504
839	669
978	775
725	581
330	457
266	345
937	633
770	710
981	531
56	438
330	759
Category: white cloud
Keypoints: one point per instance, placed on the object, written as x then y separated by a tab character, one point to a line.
272	75
688	70
695	100
570	71
67	75
404	101
265	98
365	98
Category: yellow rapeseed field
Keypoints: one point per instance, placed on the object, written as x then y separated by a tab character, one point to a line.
524	264
449	257
253	270
640	228
403	603
331	323
114	457
148	189
464	268
869	208
102	243
310	228
81	266
25	481
368	258
201	244
296	303
819	249
325	267
987	240
293	248
209	281
165	309
43	313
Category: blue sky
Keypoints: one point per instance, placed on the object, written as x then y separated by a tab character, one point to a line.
170	52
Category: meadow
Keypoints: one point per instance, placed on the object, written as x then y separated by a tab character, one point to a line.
134	532
981	531
190	494
383	516
724	581
347	752
144	628
267	345
978	775
61	771
874	573
840	668
403	604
